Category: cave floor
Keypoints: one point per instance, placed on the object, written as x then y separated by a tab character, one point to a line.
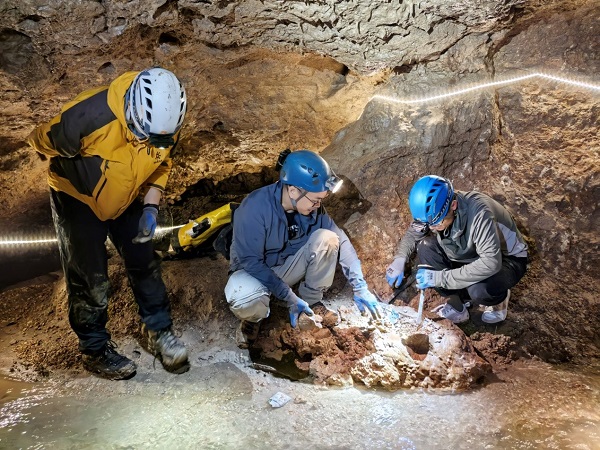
223	403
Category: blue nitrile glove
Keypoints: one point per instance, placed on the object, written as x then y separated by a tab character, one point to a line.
395	272
147	224
364	298
425	278
296	306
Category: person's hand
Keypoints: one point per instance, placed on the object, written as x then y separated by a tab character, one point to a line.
395	272
365	300
425	278
147	224
296	306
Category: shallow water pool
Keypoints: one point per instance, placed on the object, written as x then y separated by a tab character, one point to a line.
225	406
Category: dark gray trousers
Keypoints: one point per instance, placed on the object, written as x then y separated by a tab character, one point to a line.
488	292
82	244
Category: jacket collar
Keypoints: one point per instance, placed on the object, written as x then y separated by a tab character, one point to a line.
277	193
460	217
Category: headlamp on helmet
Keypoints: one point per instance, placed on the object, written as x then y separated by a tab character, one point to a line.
333	183
161	140
306	170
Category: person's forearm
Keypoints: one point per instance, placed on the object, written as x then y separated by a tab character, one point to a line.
152	196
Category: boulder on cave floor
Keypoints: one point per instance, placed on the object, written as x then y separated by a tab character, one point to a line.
391	353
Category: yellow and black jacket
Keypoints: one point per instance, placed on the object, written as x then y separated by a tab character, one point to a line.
94	157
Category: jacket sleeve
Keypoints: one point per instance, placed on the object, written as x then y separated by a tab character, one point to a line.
414	233
351	266
39	139
62	135
160	176
489	249
250	234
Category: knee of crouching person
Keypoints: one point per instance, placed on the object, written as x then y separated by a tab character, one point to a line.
253	309
326	238
427	243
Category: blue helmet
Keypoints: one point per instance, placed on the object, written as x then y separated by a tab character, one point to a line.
430	199
308	171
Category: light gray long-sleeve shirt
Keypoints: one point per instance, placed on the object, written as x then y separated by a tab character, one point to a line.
482	233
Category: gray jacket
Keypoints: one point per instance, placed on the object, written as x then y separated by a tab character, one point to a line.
482	232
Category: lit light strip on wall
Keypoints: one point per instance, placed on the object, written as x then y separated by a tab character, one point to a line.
482	86
15	242
471	88
160	232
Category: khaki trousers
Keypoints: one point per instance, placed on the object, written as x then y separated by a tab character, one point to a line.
313	266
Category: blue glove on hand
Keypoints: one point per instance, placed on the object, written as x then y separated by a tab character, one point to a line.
296	306
364	298
425	278
395	272
147	224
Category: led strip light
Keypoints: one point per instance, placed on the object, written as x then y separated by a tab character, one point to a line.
482	86
159	233
17	242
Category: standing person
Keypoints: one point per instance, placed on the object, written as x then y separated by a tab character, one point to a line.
475	251
282	236
109	153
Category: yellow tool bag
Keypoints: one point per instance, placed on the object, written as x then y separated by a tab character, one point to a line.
206	230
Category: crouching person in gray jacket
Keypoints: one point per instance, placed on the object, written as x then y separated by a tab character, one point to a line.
283	236
475	251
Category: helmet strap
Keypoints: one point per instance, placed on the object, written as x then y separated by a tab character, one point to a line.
294	201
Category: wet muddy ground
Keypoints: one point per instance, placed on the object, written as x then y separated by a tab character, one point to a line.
223	403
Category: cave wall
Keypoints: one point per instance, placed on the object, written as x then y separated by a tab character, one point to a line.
533	145
363	35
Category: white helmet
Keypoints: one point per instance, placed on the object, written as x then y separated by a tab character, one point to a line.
155	106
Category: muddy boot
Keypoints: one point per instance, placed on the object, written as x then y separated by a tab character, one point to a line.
168	348
107	363
330	317
246	333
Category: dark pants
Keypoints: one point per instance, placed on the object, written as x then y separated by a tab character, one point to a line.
81	238
488	292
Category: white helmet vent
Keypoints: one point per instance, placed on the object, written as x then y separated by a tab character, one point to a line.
156	103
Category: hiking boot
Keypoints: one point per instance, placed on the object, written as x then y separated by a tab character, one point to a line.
107	363
330	317
168	348
496	313
448	312
246	333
